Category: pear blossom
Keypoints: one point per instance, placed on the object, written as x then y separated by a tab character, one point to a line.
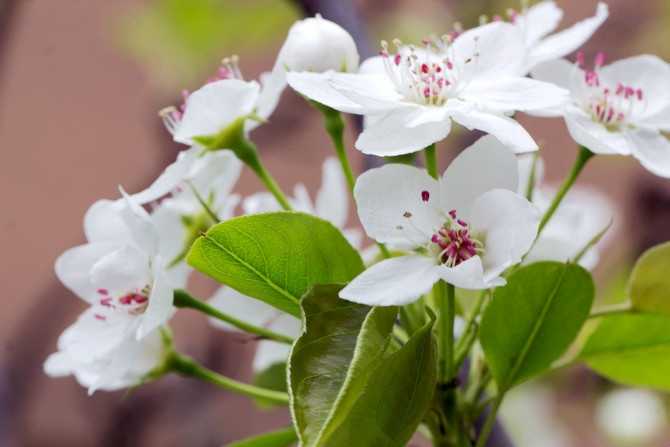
258	313
632	416
414	93
332	201
222	101
581	217
620	108
123	277
538	22
466	228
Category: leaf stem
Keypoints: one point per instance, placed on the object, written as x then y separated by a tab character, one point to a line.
583	156
614	309
446	302
490	420
187	367
184	300
469	336
431	160
210	212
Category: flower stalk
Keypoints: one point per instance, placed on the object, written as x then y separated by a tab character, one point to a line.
430	155
335	128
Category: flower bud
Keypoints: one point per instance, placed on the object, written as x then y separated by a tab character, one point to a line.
318	45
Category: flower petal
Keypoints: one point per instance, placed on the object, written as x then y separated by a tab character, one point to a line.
269	353
242	307
652	149
103	221
595	136
171	177
138	221
508	223
214	106
565	42
540	20
332	200
505	129
391	205
160	308
393	282
647	72
469	275
73	268
272	86
123	270
484	166
317	87
374	93
402	131
515	94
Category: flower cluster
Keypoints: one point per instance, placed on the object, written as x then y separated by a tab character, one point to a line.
488	214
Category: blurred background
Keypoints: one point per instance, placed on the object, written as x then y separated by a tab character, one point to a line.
81	82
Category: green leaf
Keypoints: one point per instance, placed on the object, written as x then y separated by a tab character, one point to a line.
649	285
279	438
332	359
633	349
275	257
272	378
533	319
348	385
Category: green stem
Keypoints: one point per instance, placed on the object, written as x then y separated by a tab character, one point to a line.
210	212
488	423
335	128
187	367
470	333
246	151
446	302
530	188
614	309
431	160
583	156
184	300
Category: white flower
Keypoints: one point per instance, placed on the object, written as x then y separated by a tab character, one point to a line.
332	201
466	228
540	20
415	93
122	275
318	45
620	109
583	214
632	417
221	102
258	313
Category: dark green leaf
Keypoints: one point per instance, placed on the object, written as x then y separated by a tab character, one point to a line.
332	359
276	257
279	438
649	286
633	349
533	319
273	378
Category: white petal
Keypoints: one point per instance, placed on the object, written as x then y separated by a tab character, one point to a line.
508	224
160	308
401	131
386	195
526	162
540	20
469	275
652	150
213	107
660	120
103	221
503	128
489	51
317	87
242	307
74	266
354	236
393	282
215	172
565	42
123	270
559	72
332	200
484	166
374	93
272	86
260	202
647	72
269	353
139	223
373	66
515	94
173	175
595	136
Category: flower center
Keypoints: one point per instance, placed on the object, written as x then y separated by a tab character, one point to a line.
455	242
134	302
172	115
610	105
425	76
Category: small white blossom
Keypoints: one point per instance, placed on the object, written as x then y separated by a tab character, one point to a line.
632	417
466	228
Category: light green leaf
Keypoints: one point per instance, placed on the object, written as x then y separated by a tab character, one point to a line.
348	385
633	349
279	438
533	319
331	361
276	257
649	285
272	378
